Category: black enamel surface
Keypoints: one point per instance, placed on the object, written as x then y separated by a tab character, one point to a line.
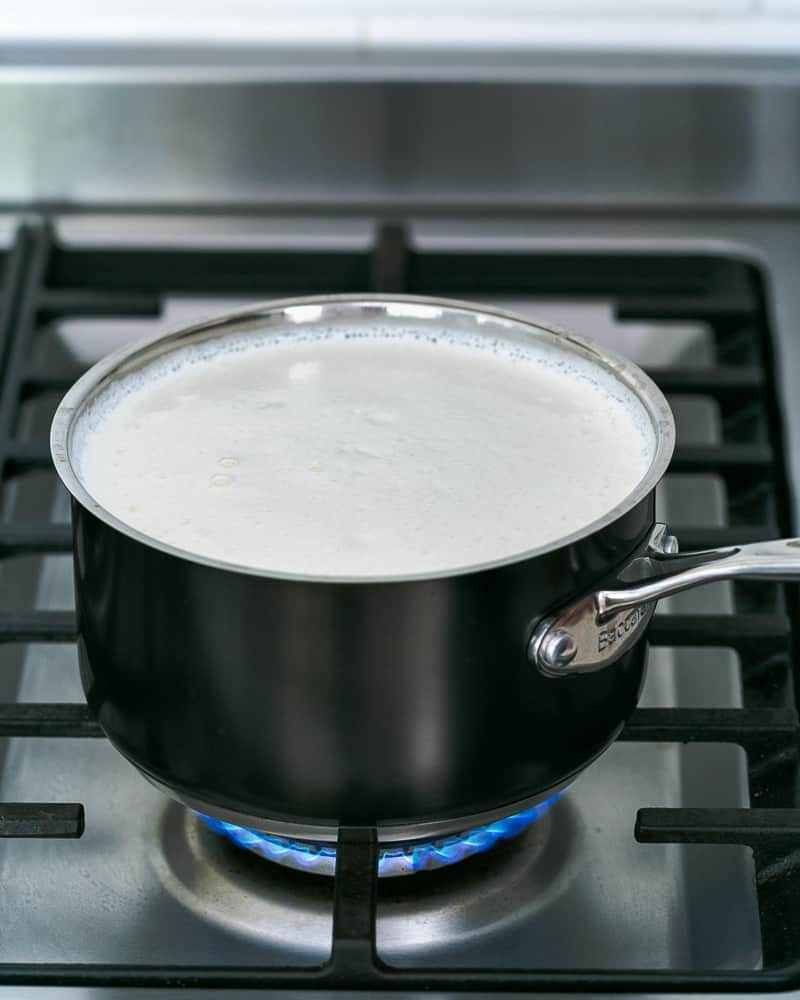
343	702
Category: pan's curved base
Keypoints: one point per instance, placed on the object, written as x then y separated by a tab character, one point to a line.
389	834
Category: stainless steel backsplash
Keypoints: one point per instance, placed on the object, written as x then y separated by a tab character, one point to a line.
169	139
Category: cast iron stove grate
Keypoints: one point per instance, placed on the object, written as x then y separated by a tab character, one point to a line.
44	280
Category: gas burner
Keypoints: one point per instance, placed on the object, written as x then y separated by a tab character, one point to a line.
398	859
450	915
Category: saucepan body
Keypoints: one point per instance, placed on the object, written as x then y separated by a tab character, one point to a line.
422	705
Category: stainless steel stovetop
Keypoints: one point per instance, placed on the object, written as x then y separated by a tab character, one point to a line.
149	884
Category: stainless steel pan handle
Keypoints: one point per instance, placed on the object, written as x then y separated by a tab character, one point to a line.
594	631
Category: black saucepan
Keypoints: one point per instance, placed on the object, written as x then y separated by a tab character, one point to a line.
422	705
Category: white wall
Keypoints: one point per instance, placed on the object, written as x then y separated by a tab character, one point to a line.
646	25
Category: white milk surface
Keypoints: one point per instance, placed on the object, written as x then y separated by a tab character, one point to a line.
362	455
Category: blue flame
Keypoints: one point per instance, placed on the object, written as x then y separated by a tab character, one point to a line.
401	859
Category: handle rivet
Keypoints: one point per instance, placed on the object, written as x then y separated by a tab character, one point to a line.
662	543
557	649
669	545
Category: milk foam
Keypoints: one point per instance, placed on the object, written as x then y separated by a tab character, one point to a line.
360	452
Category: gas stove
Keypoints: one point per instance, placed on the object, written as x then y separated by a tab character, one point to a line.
670	865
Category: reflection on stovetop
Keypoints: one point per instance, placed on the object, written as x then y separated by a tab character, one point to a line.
575	890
